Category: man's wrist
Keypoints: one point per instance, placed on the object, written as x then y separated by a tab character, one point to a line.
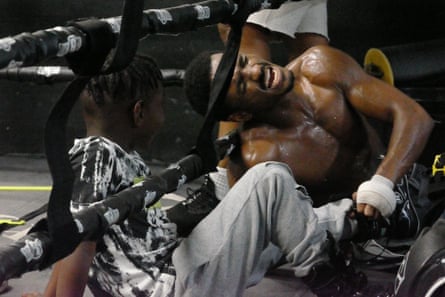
378	192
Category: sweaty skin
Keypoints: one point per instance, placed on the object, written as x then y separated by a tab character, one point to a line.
306	114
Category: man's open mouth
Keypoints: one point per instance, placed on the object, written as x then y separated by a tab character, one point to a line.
269	78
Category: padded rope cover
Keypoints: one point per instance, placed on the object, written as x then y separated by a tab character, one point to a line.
100	40
27	49
416	62
36	250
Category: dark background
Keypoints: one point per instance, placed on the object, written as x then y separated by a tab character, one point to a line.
354	26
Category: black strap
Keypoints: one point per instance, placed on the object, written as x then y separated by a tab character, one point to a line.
60	221
129	35
205	146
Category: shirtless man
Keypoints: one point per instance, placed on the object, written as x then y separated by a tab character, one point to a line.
310	115
297	25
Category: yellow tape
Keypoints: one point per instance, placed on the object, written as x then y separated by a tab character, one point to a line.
436	169
12	222
25	188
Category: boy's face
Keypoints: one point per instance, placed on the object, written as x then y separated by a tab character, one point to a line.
153	117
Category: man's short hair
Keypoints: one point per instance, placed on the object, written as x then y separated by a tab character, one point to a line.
137	81
197	82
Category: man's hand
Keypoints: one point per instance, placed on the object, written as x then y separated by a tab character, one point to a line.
366	209
375	197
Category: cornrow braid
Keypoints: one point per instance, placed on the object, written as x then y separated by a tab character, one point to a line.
134	82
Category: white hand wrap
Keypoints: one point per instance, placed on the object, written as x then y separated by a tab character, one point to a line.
219	178
378	192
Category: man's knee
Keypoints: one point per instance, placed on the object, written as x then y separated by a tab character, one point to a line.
272	168
274	172
280	176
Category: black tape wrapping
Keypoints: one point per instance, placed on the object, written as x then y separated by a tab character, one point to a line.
92	222
100	40
28	49
25	254
186	17
95	220
31	48
416	63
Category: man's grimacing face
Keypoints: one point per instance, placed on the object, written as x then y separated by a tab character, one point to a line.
256	84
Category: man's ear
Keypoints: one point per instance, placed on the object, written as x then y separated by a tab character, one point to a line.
138	112
240	116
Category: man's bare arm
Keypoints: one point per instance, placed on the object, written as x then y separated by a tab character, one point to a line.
411	126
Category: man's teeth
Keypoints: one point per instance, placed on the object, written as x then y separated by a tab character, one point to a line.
272	77
268	77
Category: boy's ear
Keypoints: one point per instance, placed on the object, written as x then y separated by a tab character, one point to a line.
138	112
240	116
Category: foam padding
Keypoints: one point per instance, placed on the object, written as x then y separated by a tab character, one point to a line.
408	64
375	58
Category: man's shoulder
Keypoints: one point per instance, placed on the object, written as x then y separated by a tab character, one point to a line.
321	50
324	62
325	53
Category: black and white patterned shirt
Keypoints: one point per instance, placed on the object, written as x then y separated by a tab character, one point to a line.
135	260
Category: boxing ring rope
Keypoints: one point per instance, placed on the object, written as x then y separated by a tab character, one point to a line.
28	49
60	74
46	243
33	251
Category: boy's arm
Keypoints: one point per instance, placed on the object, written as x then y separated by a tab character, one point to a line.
70	275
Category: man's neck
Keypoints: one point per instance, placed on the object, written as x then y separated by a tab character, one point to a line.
282	115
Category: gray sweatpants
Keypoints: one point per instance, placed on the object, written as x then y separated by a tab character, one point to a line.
265	206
